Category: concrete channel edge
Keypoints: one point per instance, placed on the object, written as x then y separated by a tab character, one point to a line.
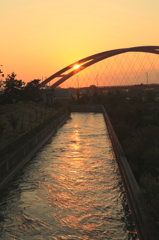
10	166
145	227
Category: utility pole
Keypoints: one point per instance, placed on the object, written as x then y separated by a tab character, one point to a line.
147	77
97	79
78	81
1	72
1	80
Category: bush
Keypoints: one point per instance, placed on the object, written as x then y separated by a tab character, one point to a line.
151	161
150	189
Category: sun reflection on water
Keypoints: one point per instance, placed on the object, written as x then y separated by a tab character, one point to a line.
75	139
77	194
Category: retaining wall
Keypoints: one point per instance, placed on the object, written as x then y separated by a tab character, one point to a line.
10	165
145	228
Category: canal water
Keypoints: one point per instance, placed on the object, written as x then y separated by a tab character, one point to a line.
71	189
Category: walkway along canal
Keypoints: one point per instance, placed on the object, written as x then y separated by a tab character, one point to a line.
71	189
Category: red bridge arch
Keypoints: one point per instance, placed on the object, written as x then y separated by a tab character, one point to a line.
63	74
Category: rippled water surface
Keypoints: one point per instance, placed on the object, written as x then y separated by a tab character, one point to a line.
69	190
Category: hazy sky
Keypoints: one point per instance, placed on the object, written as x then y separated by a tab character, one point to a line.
39	37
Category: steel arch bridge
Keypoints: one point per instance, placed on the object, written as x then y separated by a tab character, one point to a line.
84	63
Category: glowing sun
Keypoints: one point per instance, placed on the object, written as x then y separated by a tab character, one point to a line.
76	66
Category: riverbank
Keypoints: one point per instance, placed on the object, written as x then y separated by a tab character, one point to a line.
134	116
70	189
144	223
19	118
11	163
11	166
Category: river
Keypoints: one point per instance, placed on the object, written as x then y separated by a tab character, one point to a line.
71	189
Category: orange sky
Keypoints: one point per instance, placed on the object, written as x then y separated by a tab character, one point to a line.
40	37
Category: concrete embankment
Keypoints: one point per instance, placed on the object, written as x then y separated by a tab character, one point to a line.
145	228
11	164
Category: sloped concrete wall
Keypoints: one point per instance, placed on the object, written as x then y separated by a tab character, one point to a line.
10	165
145	227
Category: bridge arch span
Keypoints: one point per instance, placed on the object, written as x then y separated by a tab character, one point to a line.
63	74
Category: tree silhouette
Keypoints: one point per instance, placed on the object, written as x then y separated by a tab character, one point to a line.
12	88
32	91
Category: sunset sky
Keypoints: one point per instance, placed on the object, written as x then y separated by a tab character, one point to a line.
40	37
